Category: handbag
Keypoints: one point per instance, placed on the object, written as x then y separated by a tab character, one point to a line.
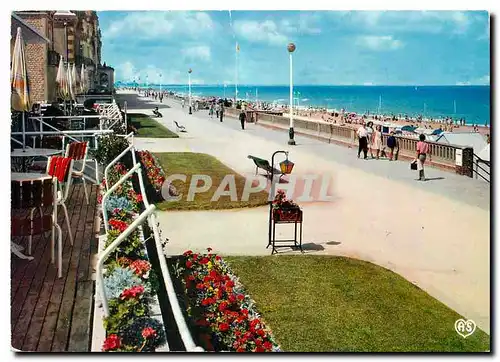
413	165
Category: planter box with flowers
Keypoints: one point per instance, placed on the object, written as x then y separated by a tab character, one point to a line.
221	313
134	323
284	210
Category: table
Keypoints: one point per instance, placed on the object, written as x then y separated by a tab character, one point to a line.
16	249
29	153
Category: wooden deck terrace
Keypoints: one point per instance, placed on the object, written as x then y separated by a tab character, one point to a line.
50	314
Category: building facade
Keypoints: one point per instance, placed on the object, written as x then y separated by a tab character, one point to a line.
74	35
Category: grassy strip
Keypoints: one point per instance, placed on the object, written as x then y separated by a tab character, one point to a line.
325	303
189	164
148	127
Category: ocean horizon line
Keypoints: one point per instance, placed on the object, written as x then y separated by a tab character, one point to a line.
306	85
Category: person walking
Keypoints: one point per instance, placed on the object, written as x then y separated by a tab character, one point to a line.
211	110
363	140
422	152
243	117
391	143
217	110
377	141
369	137
221	112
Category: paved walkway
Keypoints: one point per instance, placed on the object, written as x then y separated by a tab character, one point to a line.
436	234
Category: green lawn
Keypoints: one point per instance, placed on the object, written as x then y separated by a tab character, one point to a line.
325	303
189	164
148	127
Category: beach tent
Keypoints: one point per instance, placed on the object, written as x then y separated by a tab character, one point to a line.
408	129
466	139
437	132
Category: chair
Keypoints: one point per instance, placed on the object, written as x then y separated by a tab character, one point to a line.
78	152
62	169
35	195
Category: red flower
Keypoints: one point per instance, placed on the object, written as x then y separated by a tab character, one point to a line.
222	306
189	264
132	292
110	343
240	297
139	198
259	349
261	332
268	345
223	327
188	252
217	258
200	286
148	332
204	260
240	349
232	298
140	267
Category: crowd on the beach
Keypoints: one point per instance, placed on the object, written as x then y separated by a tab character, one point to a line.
342	117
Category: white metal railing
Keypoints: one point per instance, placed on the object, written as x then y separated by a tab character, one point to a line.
184	332
117	158
104	255
111	190
148	214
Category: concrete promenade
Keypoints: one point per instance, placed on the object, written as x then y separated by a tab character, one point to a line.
436	233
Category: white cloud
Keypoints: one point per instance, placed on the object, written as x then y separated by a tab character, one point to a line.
304	24
484	80
255	31
160	24
128	72
456	22
379	43
278	33
197	52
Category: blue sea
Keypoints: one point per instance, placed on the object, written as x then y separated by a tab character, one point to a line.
469	102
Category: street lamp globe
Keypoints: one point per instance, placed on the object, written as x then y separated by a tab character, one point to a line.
190	71
291	47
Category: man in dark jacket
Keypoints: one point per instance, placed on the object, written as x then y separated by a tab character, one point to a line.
392	143
243	117
221	112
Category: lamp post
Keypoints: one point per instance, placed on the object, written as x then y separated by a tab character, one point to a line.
189	85
291	48
160	82
147	82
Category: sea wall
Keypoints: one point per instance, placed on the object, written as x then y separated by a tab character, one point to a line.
444	156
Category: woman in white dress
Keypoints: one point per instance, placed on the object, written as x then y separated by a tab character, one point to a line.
377	141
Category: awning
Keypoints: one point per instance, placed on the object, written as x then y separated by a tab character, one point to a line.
30	34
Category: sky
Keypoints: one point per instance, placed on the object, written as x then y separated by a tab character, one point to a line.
332	47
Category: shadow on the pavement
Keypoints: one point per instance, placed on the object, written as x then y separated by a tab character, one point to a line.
333	243
312	247
434	178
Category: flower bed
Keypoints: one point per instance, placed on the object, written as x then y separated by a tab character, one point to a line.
129	282
156	175
225	317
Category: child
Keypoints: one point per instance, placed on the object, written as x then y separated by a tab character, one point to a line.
391	143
